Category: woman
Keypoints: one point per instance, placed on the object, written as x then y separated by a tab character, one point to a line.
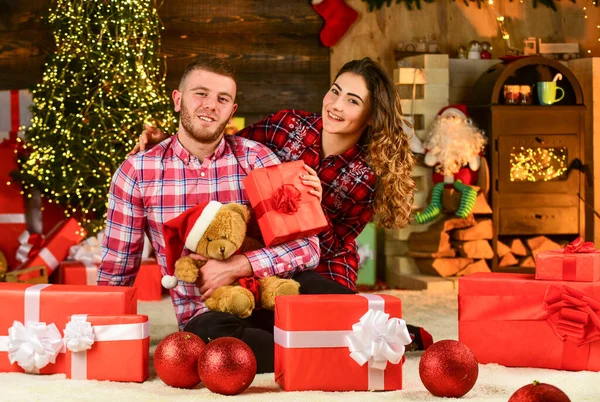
360	153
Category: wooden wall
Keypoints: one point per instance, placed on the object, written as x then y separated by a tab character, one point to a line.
376	34
273	44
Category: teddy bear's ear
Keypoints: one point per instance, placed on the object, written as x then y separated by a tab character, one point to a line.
240	209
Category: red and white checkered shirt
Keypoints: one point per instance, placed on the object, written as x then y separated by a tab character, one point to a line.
153	187
347	179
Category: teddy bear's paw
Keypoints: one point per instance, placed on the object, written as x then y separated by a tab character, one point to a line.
273	286
186	270
241	303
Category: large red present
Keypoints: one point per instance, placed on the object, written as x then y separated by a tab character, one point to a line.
12	206
339	342
147	280
43	310
578	262
56	246
14	110
284	208
106	347
515	320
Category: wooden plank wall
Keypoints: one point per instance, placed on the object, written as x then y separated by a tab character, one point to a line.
274	46
376	34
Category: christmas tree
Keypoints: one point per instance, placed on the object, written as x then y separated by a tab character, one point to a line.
99	87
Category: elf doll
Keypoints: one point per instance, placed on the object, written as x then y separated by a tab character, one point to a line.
454	147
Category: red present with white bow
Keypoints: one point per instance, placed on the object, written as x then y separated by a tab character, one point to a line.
113	348
56	246
282	204
339	342
33	316
579	261
14	110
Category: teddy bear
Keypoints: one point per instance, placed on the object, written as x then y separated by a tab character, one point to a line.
218	231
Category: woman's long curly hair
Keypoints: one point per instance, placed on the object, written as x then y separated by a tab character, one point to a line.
387	146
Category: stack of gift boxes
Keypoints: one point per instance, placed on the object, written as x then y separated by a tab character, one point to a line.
547	320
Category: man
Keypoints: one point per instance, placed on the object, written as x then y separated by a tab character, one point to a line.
197	165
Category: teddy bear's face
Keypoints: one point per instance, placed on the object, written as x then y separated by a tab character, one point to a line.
225	234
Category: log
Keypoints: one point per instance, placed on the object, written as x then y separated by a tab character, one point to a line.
502	249
518	248
477	249
435	240
442	266
508	260
454	222
478	266
482	230
441	254
451	202
527	262
541	243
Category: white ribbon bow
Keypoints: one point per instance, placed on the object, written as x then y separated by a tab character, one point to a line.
79	334
378	339
88	251
33	345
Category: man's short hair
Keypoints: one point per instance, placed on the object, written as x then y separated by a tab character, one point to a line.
210	64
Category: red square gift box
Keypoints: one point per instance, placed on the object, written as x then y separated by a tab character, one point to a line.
578	262
12	206
56	246
284	208
107	347
515	320
147	281
339	342
43	310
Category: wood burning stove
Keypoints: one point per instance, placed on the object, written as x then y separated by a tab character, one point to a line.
531	150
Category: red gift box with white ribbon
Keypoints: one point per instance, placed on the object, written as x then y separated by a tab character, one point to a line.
36	315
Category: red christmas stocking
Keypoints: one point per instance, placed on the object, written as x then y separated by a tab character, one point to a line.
338	18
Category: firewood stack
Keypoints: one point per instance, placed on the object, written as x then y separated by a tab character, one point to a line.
518	253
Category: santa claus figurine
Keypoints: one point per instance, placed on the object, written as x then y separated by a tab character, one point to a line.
454	147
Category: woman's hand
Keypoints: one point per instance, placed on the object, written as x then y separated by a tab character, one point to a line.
312	180
149	138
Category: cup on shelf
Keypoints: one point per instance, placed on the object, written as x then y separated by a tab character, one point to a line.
547	91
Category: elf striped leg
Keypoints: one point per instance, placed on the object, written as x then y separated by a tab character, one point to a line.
435	208
467	199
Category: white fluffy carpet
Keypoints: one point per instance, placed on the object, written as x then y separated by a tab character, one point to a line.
435	311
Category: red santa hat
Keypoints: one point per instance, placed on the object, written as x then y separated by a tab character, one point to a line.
458	110
185	231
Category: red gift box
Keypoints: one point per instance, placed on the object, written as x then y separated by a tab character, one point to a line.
34	305
515	320
56	246
113	348
147	280
578	262
284	208
12	206
322	342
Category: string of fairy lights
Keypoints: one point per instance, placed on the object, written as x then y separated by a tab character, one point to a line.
98	88
537	164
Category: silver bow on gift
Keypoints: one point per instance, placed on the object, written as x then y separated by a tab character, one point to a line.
377	339
79	334
34	345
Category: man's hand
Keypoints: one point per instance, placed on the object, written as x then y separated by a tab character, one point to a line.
216	273
149	138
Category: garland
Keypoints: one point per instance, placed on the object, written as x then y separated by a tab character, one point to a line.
377	4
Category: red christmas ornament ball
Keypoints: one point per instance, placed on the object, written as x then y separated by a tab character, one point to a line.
448	369
176	359
539	392
227	366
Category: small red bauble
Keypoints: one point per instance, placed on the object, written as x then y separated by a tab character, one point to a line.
539	392
227	366
448	369
176	359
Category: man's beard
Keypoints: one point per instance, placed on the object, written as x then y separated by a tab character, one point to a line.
454	143
200	134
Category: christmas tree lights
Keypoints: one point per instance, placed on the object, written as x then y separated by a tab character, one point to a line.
101	84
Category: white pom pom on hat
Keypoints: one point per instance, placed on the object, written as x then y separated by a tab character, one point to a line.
185	231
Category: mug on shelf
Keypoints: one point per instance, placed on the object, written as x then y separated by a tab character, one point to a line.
547	90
